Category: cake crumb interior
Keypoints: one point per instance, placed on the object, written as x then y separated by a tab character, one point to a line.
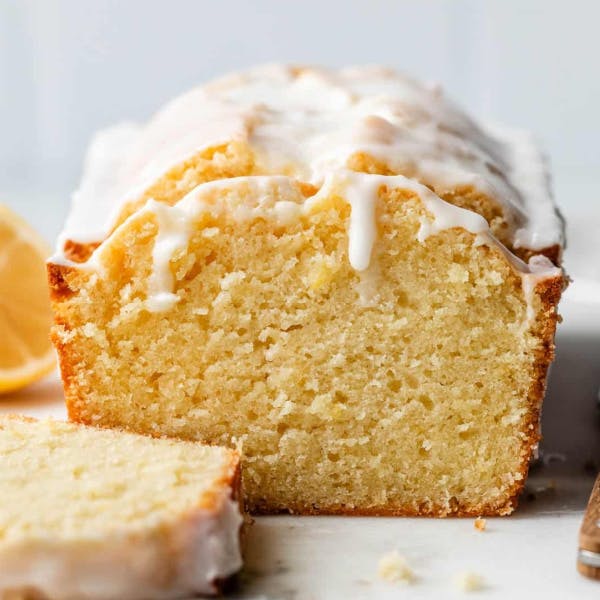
110	481
403	389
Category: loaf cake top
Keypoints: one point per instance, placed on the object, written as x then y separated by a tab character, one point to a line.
309	122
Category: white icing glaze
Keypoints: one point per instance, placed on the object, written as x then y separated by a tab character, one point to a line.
307	123
183	561
529	167
361	191
93	204
173	233
175	223
124	160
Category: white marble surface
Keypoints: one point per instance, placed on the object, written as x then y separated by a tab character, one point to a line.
528	555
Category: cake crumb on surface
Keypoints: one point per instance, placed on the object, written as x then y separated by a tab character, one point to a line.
394	568
480	524
467	581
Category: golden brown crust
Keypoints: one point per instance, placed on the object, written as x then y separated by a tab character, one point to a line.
231	478
392	511
554	253
79	252
549	291
66	365
57	280
60	290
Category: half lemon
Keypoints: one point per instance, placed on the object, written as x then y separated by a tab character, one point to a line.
26	353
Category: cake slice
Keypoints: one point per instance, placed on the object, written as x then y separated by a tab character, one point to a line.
90	513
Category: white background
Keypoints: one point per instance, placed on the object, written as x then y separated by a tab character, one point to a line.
68	67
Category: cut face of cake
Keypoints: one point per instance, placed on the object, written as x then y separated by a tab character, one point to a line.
328	276
90	513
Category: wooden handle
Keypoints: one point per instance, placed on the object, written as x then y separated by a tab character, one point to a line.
588	561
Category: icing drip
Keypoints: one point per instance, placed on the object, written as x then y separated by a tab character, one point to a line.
362	196
175	224
173	234
361	191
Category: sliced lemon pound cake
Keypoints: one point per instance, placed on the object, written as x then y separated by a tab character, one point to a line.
97	514
339	271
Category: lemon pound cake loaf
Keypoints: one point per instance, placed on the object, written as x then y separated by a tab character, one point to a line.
90	513
339	271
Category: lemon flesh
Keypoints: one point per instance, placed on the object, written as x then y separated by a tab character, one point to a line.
26	353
